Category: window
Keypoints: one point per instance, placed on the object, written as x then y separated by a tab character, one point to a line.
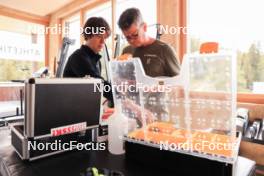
236	26
72	31
104	11
149	15
22	52
22	49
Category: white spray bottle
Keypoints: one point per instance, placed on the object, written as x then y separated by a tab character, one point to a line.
117	127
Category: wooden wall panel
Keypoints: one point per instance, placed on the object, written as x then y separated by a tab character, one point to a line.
172	13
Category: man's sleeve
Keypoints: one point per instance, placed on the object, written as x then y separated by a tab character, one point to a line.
172	63
128	50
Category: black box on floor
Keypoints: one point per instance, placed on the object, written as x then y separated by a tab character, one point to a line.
178	163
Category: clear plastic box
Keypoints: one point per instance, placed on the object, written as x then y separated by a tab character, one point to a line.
192	113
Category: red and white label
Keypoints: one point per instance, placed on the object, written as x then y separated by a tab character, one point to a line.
68	129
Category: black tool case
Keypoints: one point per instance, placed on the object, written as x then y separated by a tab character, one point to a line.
62	111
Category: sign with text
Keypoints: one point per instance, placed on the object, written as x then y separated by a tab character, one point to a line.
22	46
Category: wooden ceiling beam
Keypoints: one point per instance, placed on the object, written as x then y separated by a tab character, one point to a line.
21	15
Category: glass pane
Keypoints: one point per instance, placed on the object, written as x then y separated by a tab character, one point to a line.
149	16
22	52
105	12
236	26
73	32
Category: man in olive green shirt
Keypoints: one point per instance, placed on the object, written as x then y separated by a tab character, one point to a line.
158	58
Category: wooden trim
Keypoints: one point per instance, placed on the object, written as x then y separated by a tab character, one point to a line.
172	14
250	98
182	40
60	23
13	13
76	6
70	8
47	49
254	152
113	3
209	95
54	56
82	18
241	97
158	11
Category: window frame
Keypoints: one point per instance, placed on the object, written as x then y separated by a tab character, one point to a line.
22	16
183	44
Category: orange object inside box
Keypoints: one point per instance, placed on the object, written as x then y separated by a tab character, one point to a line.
204	142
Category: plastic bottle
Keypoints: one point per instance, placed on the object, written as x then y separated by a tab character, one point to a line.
117	127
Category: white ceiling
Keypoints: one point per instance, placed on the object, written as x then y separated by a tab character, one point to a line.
37	7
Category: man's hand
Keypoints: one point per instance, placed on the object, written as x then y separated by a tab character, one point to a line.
124	57
148	116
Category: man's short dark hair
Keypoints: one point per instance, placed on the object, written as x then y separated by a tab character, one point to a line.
95	25
129	17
